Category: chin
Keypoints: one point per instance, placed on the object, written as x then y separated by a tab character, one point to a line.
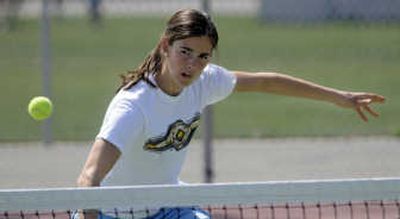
187	83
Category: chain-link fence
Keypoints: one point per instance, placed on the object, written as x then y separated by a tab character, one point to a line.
32	8
287	11
317	10
275	10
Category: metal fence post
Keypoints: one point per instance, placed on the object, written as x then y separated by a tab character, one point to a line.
46	68
208	128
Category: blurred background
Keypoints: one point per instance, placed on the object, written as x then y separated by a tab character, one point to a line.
350	45
74	51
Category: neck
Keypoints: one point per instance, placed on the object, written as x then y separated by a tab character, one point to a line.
166	84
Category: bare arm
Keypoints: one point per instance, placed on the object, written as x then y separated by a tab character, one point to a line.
290	86
101	159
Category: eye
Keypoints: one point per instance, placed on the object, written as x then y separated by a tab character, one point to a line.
204	57
185	52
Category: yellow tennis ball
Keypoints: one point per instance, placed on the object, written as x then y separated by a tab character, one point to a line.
40	108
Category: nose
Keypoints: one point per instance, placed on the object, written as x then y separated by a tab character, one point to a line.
191	63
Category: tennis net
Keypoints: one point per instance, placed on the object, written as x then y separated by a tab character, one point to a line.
349	198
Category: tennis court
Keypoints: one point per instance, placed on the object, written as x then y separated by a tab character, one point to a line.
25	165
33	165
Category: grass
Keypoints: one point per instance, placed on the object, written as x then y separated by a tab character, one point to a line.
87	62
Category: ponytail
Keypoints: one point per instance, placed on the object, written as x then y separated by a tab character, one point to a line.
151	65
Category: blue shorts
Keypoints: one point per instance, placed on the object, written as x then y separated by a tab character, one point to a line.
181	213
168	213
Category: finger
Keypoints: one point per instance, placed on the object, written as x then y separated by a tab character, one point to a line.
371	111
364	102
374	97
361	114
378	98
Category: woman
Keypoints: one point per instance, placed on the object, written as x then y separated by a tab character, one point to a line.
152	118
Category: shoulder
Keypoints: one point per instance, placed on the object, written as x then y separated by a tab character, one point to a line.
214	72
212	69
136	93
133	98
217	73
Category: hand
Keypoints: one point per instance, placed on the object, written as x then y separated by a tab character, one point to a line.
360	102
89	214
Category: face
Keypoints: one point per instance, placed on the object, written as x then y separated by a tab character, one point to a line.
184	61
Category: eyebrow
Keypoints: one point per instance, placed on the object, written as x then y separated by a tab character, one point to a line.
191	50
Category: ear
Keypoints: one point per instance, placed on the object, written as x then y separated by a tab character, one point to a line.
164	46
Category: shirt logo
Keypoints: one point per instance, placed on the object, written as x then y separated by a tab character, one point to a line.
178	136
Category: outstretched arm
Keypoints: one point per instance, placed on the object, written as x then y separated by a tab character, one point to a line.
101	159
290	86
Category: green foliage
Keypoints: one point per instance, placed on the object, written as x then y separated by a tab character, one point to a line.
87	62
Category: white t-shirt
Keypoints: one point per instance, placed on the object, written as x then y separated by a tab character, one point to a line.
152	128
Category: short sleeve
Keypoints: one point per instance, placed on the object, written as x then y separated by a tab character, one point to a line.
218	83
123	124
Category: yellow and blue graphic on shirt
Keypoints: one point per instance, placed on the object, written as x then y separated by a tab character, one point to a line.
177	137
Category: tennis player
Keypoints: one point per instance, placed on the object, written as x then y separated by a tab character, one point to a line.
151	120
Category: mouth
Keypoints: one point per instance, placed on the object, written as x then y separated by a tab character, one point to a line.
186	75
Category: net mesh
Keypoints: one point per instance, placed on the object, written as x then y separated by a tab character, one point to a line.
370	209
366	198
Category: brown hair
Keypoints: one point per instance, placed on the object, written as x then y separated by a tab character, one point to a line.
183	24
